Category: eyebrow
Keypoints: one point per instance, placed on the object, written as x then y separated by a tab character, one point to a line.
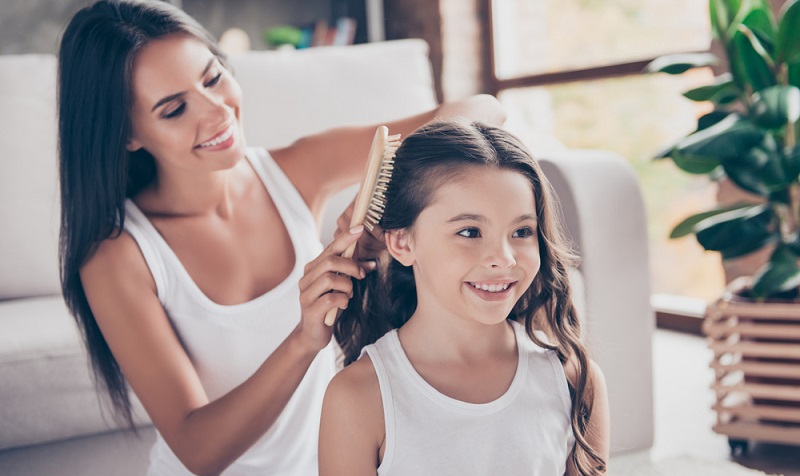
175	96
482	219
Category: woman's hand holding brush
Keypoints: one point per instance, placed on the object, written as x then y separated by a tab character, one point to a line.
326	285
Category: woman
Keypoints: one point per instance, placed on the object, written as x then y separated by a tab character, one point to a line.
182	250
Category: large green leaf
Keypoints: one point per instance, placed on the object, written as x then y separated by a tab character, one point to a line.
791	163
780	274
707	120
794	74
745	171
738	232
748	64
687	225
788	41
757	16
722	91
680	63
729	138
697	165
722	14
775	106
760	170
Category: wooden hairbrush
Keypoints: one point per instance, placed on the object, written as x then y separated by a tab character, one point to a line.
371	197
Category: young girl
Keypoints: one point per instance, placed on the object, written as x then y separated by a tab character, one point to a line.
481	369
192	263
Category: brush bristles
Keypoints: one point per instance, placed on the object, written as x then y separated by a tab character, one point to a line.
377	203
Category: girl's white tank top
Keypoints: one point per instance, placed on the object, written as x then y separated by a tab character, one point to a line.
526	431
226	344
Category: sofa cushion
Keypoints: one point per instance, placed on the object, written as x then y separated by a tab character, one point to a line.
29	190
292	93
47	391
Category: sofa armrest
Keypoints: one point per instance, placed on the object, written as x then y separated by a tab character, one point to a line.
605	217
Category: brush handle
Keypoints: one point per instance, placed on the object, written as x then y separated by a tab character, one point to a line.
364	196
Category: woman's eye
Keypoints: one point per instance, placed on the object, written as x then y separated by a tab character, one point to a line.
523	232
469	233
214	80
175	112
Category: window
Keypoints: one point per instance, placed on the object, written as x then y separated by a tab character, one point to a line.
566	66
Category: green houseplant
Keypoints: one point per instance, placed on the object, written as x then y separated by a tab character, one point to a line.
750	137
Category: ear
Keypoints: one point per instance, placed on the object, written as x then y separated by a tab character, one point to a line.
398	243
133	145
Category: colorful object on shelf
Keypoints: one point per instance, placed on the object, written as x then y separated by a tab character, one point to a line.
283	35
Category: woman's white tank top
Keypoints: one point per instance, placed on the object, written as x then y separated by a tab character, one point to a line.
226	344
526	431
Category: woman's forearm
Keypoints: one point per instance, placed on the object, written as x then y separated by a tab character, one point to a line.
215	435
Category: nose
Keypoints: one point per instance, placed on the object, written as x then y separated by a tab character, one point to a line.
500	255
215	108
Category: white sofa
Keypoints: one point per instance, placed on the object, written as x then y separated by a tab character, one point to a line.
51	421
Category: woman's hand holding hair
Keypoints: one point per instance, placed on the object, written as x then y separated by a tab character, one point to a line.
326	285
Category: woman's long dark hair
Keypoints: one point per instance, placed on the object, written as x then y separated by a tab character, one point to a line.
386	299
97	173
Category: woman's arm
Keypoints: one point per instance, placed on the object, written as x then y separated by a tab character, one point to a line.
323	164
598	433
352	430
206	436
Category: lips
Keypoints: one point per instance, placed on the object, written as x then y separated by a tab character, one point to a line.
220	139
491	291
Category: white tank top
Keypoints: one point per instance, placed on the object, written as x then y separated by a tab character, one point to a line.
526	431
226	344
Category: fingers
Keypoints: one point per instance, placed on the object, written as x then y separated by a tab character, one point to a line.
329	283
335	265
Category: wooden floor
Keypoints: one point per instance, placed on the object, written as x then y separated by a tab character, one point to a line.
683	415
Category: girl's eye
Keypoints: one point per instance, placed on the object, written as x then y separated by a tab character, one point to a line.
214	80
175	112
524	232
469	233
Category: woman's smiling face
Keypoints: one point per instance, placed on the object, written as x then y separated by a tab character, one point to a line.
186	106
475	248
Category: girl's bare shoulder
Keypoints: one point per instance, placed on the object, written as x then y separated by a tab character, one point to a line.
352	425
357	384
594	373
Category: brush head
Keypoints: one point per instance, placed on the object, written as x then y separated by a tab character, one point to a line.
377	202
372	196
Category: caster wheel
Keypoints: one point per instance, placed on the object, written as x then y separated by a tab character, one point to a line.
738	447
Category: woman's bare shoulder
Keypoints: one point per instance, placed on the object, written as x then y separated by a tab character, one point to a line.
117	262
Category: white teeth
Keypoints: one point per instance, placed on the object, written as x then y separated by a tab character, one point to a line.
492	288
225	136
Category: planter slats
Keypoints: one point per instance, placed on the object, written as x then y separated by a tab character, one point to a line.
718	331
759	431
757	390
756	364
753	349
779	312
748	411
759	369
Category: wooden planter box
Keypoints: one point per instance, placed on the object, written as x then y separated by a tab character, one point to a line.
757	370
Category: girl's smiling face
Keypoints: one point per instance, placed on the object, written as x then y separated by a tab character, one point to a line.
186	106
475	248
